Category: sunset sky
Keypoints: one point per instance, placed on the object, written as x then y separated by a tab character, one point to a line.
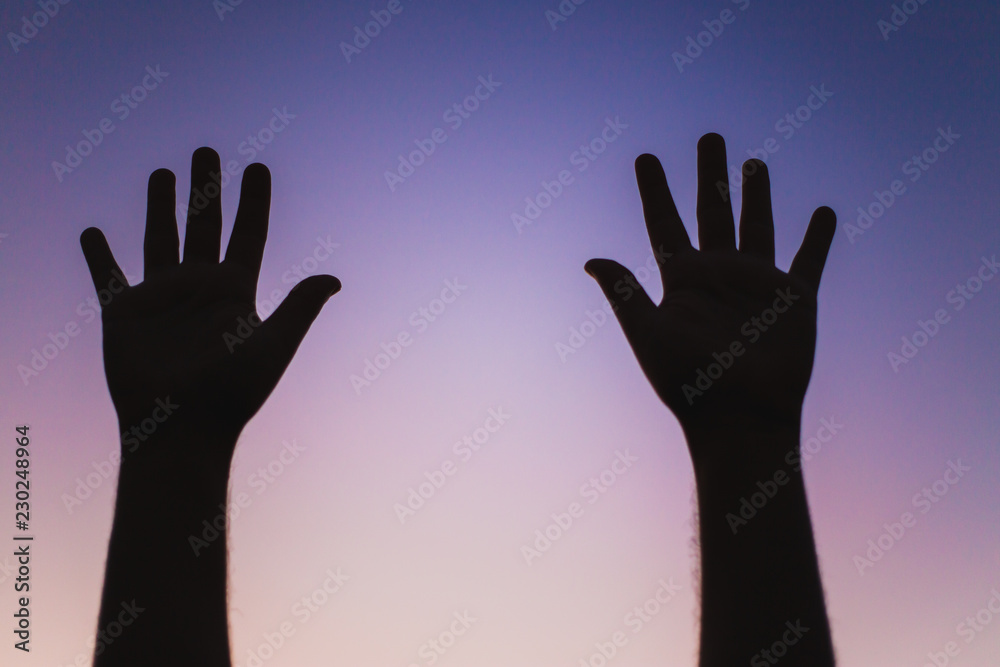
480	112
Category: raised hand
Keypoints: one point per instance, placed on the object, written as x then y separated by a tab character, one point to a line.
730	351
175	334
733	339
173	344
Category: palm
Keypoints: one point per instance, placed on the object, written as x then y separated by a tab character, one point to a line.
182	332
709	310
168	332
686	344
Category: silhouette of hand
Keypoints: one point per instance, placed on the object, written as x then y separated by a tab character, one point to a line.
164	338
732	343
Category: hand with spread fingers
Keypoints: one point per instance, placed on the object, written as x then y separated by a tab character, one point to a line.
730	351
176	333
733	339
176	357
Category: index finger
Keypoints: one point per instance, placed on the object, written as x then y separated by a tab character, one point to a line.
246	246
811	257
663	224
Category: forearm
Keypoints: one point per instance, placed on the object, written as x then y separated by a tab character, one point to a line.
760	576
167	586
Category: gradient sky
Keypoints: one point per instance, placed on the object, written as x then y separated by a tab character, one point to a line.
495	346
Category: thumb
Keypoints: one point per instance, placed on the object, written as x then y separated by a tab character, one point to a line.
284	330
628	299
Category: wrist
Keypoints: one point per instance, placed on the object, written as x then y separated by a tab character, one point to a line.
744	449
182	465
176	438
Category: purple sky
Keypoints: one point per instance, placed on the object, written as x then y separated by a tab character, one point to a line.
193	76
